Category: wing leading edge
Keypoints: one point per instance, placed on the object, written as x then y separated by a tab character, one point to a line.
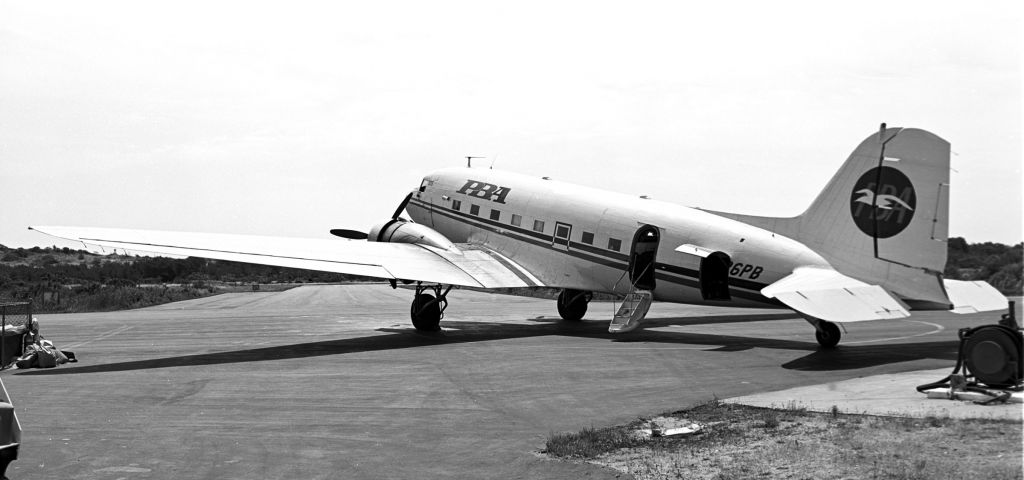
467	266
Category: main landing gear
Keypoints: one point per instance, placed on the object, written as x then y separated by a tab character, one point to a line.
572	304
427	310
827	333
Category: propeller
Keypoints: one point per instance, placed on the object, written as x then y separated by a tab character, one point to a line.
357	235
349	234
401	206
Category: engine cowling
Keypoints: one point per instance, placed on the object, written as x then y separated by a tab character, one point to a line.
403	231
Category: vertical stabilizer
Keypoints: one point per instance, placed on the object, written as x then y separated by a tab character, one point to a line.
890	198
884	216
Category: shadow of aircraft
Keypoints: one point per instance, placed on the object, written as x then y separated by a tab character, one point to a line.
456	332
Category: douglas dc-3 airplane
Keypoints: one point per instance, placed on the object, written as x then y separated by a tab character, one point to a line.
872	245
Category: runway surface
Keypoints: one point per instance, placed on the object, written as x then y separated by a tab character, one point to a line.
333	382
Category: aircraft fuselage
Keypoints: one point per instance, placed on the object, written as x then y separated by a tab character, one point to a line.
570	236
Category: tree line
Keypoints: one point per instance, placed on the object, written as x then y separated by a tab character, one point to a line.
66	280
66	266
62	279
998	264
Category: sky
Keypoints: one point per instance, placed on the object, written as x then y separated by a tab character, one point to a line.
293	118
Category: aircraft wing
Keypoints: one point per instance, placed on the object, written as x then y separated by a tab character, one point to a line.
972	297
468	266
829	295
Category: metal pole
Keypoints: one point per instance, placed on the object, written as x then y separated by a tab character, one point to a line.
3	336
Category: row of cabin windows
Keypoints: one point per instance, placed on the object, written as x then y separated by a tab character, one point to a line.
538	225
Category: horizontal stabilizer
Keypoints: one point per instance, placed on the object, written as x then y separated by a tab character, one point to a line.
973	297
829	295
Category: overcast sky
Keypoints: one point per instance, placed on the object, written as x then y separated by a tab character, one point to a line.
293	118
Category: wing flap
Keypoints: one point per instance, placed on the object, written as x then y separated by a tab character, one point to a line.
489	267
829	295
973	297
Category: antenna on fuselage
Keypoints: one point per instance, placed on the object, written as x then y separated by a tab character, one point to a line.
469	161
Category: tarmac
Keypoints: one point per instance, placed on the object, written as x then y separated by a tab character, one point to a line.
333	382
883	395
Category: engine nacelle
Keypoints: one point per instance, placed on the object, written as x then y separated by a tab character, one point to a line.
403	231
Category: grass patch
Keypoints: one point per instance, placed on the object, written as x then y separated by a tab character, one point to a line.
590	442
748	442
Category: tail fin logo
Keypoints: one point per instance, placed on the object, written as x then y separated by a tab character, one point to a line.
883	202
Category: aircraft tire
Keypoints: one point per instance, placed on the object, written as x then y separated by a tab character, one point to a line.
572	306
828	335
426	313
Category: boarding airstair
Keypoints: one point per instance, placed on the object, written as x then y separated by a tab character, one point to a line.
631	312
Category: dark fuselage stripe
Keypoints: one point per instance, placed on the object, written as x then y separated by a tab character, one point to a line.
534	238
670	273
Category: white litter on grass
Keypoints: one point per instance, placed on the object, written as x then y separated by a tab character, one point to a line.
668	427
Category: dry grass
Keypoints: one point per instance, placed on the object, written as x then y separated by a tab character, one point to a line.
748	442
590	442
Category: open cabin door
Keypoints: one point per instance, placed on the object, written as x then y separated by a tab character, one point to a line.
641	271
642	257
714	276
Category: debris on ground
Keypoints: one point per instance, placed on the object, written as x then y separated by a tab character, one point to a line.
668	427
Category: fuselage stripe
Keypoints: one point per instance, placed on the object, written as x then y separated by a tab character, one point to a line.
667	272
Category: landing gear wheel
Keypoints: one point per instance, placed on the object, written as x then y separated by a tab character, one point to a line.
572	304
828	334
426	313
428	310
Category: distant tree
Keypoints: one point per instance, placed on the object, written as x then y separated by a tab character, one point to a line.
1008	278
46	260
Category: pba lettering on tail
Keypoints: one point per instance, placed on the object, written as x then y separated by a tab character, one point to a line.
484	190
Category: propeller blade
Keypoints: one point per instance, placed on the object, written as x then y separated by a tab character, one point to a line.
401	206
350	234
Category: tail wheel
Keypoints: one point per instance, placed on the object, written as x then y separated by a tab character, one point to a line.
572	304
426	313
827	334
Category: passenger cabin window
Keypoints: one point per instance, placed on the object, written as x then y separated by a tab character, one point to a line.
538	225
614	244
516	220
495	215
587	238
474	209
456	204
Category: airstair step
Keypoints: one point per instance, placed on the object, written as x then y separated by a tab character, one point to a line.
631	312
